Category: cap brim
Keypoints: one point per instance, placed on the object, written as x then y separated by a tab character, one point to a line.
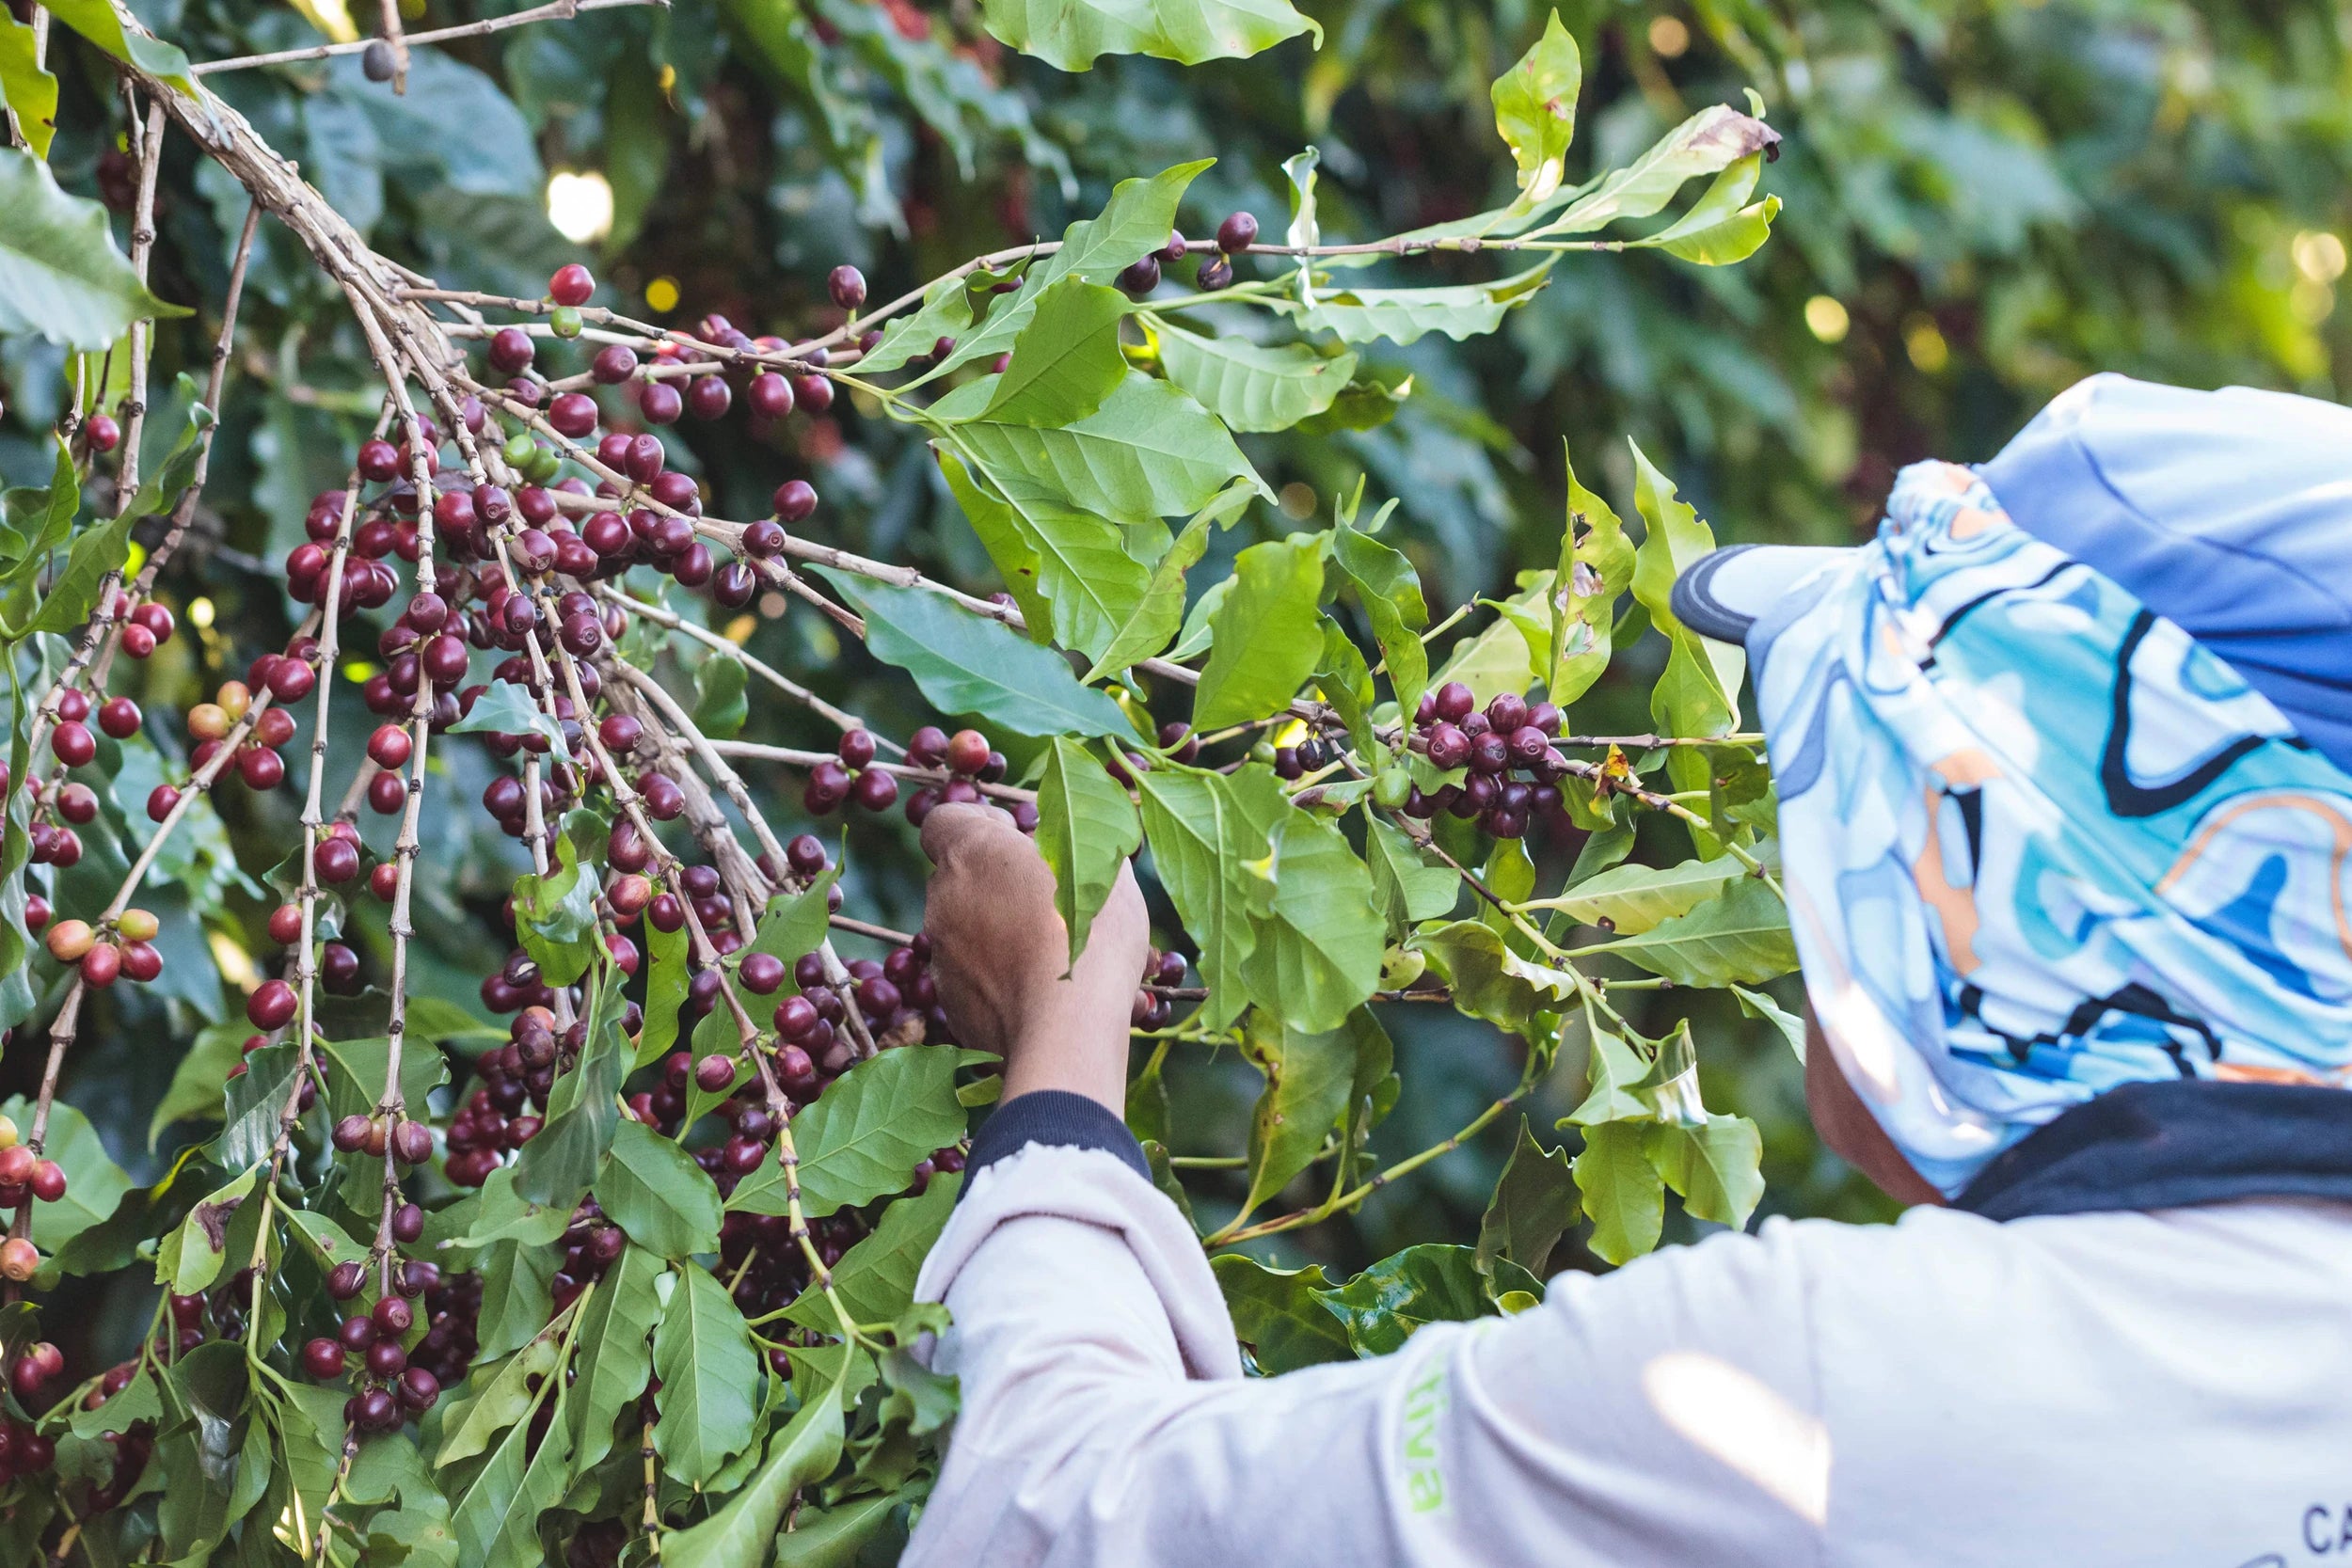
1725	593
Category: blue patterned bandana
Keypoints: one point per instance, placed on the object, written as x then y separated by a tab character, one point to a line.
2037	841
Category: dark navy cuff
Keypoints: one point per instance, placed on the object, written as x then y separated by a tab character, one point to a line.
1053	1117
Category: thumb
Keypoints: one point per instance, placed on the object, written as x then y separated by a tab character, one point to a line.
948	827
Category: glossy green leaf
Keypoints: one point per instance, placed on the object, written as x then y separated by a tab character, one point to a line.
665	992
1320	936
1675	540
1148	451
1009	540
865	1134
60	275
1405	315
1622	1193
506	709
1066	359
1252	386
1739	938
1085	829
1712	139
721	706
1488	979
1268	634
253	1103
1277	1316
1203	828
27	90
875	1279
518	1290
497	1520
742	1534
1407	886
1389	590
555	915
1381	1307
1534	1202
702	1353
193	1255
1632	899
582	1114
1307	1081
1070	34
1498	659
616	1357
100	550
1713	1165
836	1537
1535	109
968	663
1160	610
1595	568
1765	1010
1069	572
196	1079
653	1190
499	1394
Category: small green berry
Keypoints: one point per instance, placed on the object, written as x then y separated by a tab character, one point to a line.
564	320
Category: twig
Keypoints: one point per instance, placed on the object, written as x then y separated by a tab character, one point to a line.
560	10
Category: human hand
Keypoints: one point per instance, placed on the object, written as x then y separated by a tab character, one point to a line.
1000	959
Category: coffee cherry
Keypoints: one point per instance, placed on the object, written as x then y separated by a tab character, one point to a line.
613	364
337	859
377	62
1449	748
323	1360
285	924
48	1179
659	402
795	499
272	1005
511	350
260	768
714	1072
1139	277
69	940
573	414
137	925
408	1225
709	398
571	284
73	744
19	1260
78	804
967	751
847	285
103	434
1238	232
375	1410
351	1134
805	853
119	718
346	1280
875	790
770	396
138	642
73	705
762	973
812	392
1453	701
36	912
1215	273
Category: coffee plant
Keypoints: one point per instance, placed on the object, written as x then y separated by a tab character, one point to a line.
626	1274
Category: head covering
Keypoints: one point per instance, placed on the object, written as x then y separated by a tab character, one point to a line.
2038	840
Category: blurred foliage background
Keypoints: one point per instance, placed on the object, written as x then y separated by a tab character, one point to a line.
1984	202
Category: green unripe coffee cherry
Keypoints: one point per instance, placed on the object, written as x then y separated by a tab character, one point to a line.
543	466
1263	752
520	450
564	320
1399	966
1391	787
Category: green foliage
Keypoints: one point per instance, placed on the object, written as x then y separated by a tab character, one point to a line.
60	275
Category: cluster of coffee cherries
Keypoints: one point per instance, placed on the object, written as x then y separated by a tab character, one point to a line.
33	1378
1152	1010
121	948
391	1388
505	1110
23	1175
852	777
1237	233
1514	774
969	763
591	1244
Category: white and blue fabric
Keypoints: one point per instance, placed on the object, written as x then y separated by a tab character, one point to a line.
2038	841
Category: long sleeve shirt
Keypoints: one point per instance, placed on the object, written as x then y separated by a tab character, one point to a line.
2124	1389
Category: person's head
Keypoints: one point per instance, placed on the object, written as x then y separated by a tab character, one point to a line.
2064	758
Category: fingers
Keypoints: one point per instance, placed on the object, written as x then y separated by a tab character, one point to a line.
951	825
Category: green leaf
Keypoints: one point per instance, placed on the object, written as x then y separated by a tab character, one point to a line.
98	22
1534	1202
1535	109
652	1189
1275	1313
1069	572
1148	451
196	1082
1402	316
30	92
968	663
875	1279
556	1166
614	1359
555	915
1712	1165
864	1137
103	548
1069	34
1160	608
60	275
1406	886
501	1214
1739	938
1308	1077
1320	937
1250	386
702	1353
1268	634
1765	1010
496	1522
1382	1306
665	992
500	1394
1066	360
1203	828
253	1103
1085	829
1488	979
836	1537
1390	588
518	1290
741	1534
191	1257
1623	1195
506	709
94	1183
1720	209
1632	899
1498	659
1596	568
719	705
1674	542
1712	139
